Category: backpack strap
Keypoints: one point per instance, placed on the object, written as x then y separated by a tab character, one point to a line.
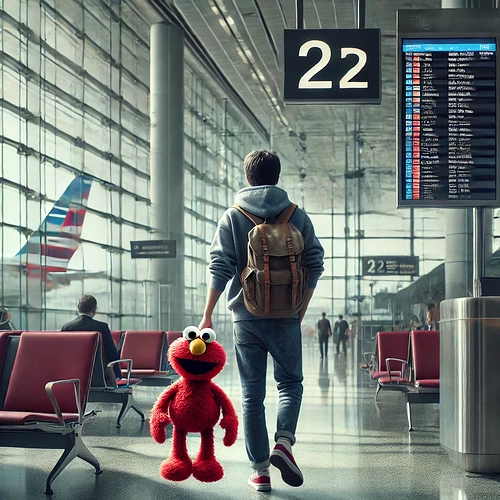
293	263
286	214
267	271
256	220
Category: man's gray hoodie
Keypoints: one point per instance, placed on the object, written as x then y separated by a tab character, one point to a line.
229	250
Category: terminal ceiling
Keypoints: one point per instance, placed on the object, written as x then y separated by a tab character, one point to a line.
245	38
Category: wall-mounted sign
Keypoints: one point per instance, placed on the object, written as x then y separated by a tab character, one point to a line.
394	265
153	249
332	66
447	109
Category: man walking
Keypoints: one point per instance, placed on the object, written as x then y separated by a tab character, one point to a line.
254	336
87	307
324	332
340	333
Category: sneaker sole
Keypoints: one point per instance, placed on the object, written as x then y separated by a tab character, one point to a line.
259	487
290	473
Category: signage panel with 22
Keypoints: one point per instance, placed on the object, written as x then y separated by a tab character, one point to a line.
332	66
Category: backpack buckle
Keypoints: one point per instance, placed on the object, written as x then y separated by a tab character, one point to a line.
266	258
292	258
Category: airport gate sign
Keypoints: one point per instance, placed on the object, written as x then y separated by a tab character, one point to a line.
332	66
153	249
395	265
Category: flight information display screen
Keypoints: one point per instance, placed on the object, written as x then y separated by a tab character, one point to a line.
448	125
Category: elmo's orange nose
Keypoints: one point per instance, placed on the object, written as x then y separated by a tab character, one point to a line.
197	347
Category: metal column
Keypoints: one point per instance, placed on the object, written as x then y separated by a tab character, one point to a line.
469	340
167	168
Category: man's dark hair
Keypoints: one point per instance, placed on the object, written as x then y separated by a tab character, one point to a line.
262	167
86	304
340	316
323	314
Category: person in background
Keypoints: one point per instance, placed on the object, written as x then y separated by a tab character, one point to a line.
324	333
87	307
416	324
340	333
432	317
5	322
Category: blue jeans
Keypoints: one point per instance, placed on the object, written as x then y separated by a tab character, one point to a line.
253	340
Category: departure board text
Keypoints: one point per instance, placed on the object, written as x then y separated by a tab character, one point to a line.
449	118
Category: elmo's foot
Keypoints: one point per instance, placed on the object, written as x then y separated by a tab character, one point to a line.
175	469
207	471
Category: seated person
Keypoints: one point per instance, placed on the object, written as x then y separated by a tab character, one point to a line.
87	307
416	324
5	322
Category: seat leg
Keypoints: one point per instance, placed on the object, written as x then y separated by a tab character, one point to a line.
123	410
408	412
68	455
83	452
377	391
135	406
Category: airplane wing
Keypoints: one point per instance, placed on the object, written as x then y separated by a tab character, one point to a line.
64	279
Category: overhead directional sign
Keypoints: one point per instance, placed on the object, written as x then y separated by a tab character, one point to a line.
153	249
395	265
332	66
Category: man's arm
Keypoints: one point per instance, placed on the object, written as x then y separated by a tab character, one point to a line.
110	350
222	267
212	299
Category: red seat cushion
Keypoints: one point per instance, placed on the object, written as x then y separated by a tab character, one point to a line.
138	372
47	357
117	335
385	374
432	382
144	348
394	380
21	417
425	352
392	345
144	373
171	336
123	381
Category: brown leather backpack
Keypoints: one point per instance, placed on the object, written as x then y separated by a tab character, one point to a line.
274	282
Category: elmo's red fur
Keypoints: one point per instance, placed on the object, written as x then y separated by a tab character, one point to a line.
194	404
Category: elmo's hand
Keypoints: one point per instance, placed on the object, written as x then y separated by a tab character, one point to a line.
157	425
230	424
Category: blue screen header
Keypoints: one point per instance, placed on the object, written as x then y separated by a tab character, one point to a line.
450	45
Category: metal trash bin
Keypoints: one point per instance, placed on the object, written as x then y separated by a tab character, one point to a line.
470	382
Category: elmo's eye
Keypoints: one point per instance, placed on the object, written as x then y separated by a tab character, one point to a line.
191	332
208	335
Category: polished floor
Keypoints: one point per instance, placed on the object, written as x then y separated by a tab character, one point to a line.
348	447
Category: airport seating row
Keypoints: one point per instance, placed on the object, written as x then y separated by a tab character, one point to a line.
148	350
407	362
66	370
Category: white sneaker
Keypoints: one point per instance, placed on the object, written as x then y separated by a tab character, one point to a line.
260	480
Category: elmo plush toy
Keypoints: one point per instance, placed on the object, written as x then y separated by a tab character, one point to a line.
194	404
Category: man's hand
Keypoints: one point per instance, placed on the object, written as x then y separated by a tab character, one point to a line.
206	322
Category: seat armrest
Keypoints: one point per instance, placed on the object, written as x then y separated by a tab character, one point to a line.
403	366
55	404
129	366
368	358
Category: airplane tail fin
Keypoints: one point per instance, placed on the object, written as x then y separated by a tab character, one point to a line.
53	244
